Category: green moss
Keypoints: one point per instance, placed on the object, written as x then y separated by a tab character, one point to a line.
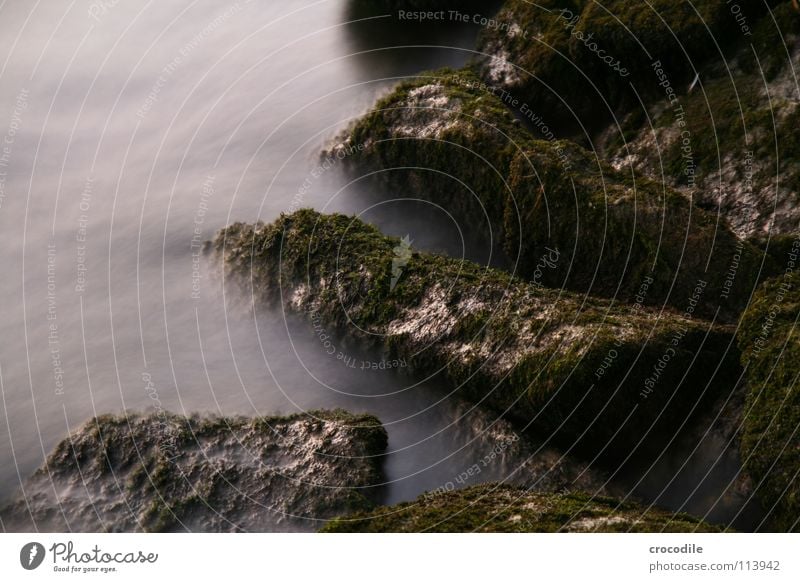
612	229
770	445
469	154
504	509
616	231
777	247
575	89
720	122
739	133
164	472
510	345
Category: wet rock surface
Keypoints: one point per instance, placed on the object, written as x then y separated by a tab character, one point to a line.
160	472
770	445
675	207
583	65
501	508
599	377
523	459
731	142
562	217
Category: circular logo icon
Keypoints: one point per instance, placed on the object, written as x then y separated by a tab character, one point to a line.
31	555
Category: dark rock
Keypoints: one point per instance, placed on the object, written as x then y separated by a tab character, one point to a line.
501	508
582	64
768	339
732	142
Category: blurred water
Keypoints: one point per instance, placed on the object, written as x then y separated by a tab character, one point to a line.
139	129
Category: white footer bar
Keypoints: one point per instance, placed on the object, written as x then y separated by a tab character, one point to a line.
399	557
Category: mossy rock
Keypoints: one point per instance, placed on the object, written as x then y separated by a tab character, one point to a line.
616	231
580	64
442	136
734	143
604	377
770	347
504	509
162	472
448	137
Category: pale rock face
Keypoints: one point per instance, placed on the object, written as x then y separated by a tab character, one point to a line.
428	112
500	69
299	296
589	524
428	321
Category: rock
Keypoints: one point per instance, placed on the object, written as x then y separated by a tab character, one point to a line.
700	472
770	447
582	64
611	229
444	137
614	230
517	457
161	472
732	142
501	508
415	4
600	377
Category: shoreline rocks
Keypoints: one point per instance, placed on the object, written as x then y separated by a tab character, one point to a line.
504	509
583	65
770	445
161	472
600	377
503	452
733	143
449	138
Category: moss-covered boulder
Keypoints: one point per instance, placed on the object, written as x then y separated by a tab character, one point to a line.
769	339
602	377
162	472
581	63
615	230
445	137
450	138
732	141
504	509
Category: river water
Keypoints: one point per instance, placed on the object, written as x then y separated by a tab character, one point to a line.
132	131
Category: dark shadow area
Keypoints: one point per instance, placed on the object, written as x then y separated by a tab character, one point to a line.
394	46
